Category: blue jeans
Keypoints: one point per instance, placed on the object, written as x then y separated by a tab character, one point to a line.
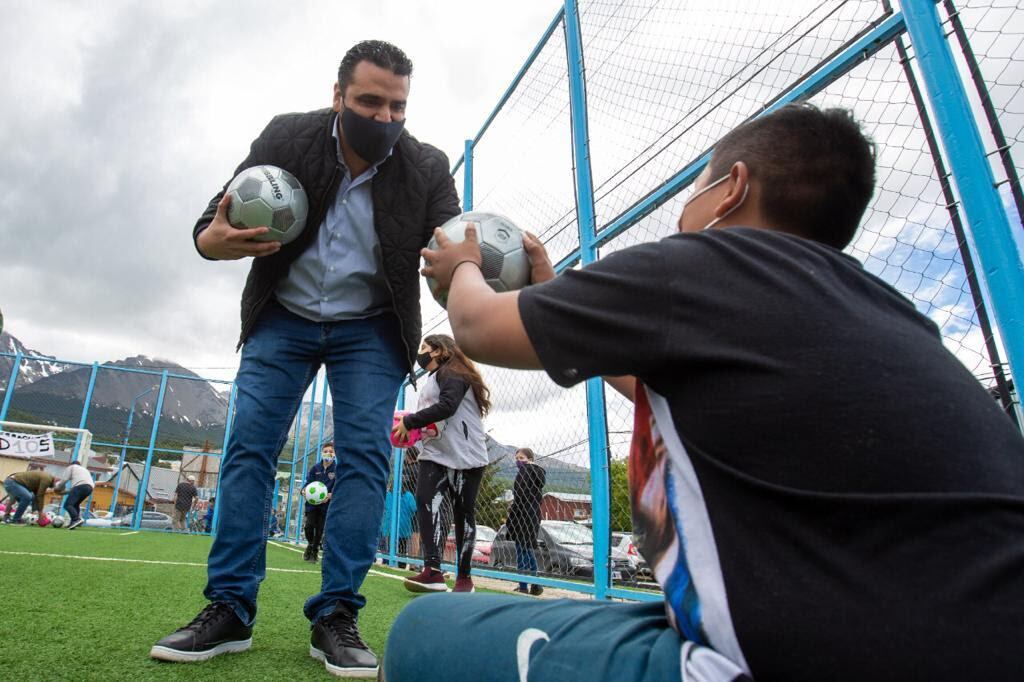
526	563
75	499
366	363
22	494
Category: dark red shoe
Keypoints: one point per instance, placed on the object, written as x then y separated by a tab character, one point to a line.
464	584
427	580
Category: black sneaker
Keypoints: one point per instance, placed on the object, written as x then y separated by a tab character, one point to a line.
316	556
536	590
75	524
216	630
336	642
307	554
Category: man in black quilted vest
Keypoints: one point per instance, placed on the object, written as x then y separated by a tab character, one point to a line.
344	294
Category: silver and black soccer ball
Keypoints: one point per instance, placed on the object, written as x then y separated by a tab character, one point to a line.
57	521
506	267
268	196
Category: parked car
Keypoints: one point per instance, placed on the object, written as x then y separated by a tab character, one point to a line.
105	522
481	548
87	514
624	543
564	548
150	519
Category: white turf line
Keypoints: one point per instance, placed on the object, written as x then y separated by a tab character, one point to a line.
296	549
177	563
131	532
137	561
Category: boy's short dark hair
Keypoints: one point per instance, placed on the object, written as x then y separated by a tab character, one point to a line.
327	444
815	168
385	55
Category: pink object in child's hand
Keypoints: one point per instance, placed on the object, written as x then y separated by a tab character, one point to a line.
414	434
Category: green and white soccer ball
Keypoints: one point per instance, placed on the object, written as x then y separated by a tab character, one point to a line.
268	196
315	493
505	265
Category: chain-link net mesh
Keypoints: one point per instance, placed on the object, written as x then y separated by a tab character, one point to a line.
665	81
311	428
130	445
990	33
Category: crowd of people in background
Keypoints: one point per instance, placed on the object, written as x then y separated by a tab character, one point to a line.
26	492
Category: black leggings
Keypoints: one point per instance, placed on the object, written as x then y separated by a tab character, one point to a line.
315	518
435	482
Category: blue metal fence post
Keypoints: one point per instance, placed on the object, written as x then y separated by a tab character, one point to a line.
305	447
228	422
288	503
467	178
323	415
596	422
394	501
999	261
124	450
81	424
85	411
274	499
140	496
10	385
291	483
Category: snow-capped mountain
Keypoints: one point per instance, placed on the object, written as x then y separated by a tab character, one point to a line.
30	370
190	401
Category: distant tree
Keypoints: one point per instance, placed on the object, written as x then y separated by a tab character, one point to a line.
618	476
491	508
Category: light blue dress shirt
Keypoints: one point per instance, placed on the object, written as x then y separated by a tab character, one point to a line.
340	276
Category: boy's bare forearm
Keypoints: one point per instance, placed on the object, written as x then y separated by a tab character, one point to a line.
486	324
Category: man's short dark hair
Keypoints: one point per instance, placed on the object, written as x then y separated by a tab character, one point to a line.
384	55
327	444
815	169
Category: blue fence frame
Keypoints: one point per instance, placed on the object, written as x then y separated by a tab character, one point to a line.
1000	263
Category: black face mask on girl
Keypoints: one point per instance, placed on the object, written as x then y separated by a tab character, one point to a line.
369	138
423	359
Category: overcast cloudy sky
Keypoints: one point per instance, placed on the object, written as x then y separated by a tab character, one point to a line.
122	119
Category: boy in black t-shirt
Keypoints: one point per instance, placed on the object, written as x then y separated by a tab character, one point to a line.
822	490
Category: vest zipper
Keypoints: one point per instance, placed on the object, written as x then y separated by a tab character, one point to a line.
394	306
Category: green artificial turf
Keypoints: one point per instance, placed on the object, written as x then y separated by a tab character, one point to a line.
76	619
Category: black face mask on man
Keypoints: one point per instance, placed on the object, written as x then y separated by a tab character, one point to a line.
369	138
